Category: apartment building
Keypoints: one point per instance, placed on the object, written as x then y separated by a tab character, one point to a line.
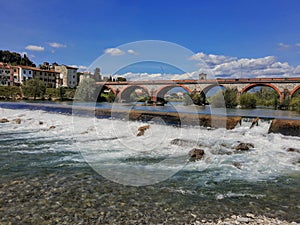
17	75
5	75
68	75
50	78
53	76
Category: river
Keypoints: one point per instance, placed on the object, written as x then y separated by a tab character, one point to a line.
97	171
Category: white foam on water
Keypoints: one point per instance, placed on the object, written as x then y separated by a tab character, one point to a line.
115	145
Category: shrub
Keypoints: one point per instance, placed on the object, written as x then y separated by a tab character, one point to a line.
248	101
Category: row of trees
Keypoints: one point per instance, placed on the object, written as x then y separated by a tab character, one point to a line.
230	98
36	89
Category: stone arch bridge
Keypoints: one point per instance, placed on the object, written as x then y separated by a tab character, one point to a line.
285	87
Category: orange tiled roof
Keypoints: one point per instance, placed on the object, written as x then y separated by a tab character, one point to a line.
37	69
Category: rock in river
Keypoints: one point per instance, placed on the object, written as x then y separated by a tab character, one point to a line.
196	154
141	130
244	146
17	121
293	150
4	120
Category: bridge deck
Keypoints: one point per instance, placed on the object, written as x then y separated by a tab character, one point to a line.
211	81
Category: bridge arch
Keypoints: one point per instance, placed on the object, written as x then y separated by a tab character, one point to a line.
295	90
249	86
105	89
160	93
108	87
124	95
208	88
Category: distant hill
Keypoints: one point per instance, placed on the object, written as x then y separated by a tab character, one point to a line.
15	59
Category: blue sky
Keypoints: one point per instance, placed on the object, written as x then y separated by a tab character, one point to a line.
77	32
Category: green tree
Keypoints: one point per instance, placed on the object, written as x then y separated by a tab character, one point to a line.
225	98
62	92
187	99
285	104
217	100
109	97
34	88
86	91
198	99
15	59
230	97
121	79
266	96
248	100
193	98
8	92
51	93
295	103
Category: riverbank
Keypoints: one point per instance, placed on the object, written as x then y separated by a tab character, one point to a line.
85	198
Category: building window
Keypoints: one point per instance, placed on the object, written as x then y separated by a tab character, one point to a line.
29	72
24	72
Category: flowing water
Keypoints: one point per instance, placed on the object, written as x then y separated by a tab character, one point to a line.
88	170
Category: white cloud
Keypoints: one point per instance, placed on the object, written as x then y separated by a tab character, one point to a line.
114	51
297	44
34	48
228	67
283	46
157	76
130	51
259	67
211	59
297	70
80	68
56	45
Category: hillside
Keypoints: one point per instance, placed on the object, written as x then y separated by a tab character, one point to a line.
15	58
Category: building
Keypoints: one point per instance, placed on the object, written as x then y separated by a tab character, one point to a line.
9	75
202	76
25	73
6	78
53	76
17	75
84	75
50	78
68	74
